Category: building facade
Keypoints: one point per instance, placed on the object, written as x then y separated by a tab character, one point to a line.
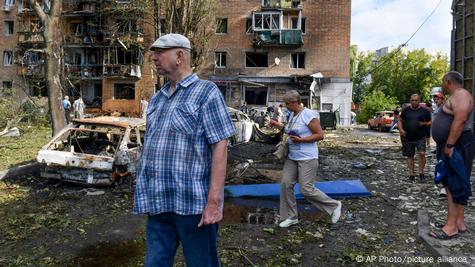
9	80
263	48
104	53
462	52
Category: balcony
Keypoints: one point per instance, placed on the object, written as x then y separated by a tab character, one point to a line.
84	72
7	8
119	70
30	37
280	4
281	37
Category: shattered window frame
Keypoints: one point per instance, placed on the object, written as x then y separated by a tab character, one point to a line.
265	21
7	58
253	60
8	27
221	25
297	60
220	59
124	91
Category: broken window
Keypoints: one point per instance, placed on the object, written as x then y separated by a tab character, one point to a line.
124	91
7	84
297	61
220	59
256	96
8	27
295	24
256	60
221	25
76	28
7	58
266	21
249	26
9	3
302	24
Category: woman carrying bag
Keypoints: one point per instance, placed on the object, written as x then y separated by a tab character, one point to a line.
301	164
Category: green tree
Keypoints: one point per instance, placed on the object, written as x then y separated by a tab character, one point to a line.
360	64
373	102
401	74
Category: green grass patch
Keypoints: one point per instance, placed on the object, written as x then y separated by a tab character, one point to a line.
19	150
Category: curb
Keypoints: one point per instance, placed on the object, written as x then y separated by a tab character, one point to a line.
20	170
433	245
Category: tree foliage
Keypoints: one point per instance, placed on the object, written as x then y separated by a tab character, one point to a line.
360	64
401	74
374	102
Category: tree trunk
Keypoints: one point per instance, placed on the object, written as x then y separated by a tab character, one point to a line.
53	39
53	71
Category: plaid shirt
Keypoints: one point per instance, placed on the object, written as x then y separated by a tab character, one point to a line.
174	172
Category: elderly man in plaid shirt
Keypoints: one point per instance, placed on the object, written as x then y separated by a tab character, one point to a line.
181	174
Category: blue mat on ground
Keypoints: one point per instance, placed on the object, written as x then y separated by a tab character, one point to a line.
334	189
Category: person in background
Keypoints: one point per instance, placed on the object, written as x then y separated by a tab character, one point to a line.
302	163
67	108
412	125
428	106
181	173
453	132
439	100
278	113
244	107
396	113
79	107
143	107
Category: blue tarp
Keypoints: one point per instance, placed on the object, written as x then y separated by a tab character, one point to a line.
334	189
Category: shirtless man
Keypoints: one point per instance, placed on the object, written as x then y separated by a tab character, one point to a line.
452	129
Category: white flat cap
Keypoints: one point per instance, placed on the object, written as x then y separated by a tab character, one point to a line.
171	40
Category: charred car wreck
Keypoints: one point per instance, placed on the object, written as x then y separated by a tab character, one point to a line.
94	151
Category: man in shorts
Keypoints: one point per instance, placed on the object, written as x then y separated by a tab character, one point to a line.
412	125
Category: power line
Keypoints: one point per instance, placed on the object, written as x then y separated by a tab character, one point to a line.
393	53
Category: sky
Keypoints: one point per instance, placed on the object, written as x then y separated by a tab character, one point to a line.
380	23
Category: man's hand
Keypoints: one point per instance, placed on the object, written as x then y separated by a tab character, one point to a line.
402	133
212	214
448	151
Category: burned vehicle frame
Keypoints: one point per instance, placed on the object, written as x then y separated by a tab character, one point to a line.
95	151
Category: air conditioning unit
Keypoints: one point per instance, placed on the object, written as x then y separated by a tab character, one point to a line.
6	8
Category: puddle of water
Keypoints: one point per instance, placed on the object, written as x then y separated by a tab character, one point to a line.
264	211
127	253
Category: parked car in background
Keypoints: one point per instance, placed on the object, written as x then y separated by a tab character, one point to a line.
94	151
381	121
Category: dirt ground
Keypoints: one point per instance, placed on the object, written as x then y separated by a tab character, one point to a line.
45	223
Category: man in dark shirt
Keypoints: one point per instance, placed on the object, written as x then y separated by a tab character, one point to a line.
412	125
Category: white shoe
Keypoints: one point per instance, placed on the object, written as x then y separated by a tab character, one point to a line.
442	192
288	222
336	213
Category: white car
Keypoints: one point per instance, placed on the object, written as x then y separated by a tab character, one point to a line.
94	151
243	125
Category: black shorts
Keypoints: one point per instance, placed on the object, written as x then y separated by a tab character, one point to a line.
409	146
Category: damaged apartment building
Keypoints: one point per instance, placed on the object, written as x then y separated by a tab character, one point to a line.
103	52
264	48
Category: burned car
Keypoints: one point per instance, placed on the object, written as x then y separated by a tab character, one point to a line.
243	125
94	151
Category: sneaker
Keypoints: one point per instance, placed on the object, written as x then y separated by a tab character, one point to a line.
288	222
422	177
412	178
336	213
442	192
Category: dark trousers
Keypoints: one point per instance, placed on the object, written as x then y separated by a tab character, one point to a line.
166	230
